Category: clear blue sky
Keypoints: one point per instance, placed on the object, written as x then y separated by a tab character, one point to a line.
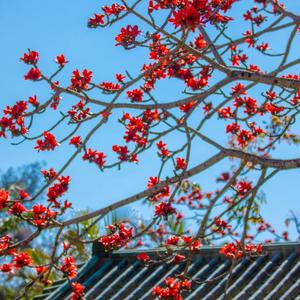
55	27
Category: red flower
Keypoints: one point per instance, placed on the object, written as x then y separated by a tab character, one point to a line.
17	208
59	188
31	58
143	257
193	245
38	209
223	177
4	195
181	163
23	194
118	236
285	235
200	42
96	21
164	210
225	112
135	95
186	17
273	109
120	77
263	47
41	269
109	86
271	95
33	74
81	81
49	174
94	156
114	9
127	36
69	267
164	192
78	291
61	60
244	137
221	225
178	258
233	128
234	251
6	268
33	100
75	140
152	182
187	107
49	142
21	260
164	152
243	187
239	88
173	240
173	289
124	153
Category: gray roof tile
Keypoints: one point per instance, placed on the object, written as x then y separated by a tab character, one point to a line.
120	276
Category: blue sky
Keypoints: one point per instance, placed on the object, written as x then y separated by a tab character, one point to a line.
55	27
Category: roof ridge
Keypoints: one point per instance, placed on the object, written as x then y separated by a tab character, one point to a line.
270	247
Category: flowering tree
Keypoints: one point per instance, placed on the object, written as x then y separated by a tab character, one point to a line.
196	45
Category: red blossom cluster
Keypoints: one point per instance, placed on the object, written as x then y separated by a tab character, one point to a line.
33	100
177	65
127	36
181	163
13	119
188	106
118	236
31	58
79	81
124	155
61	60
39	214
236	251
79	112
69	267
200	42
49	175
94	156
163	151
164	210
4	198
110	86
49	142
78	291
135	95
243	187
58	189
194	244
221	226
253	16
143	257
19	259
33	74
193	199
137	127
163	193
76	141
173	290
98	19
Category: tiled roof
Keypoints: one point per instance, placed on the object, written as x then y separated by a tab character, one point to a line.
120	276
